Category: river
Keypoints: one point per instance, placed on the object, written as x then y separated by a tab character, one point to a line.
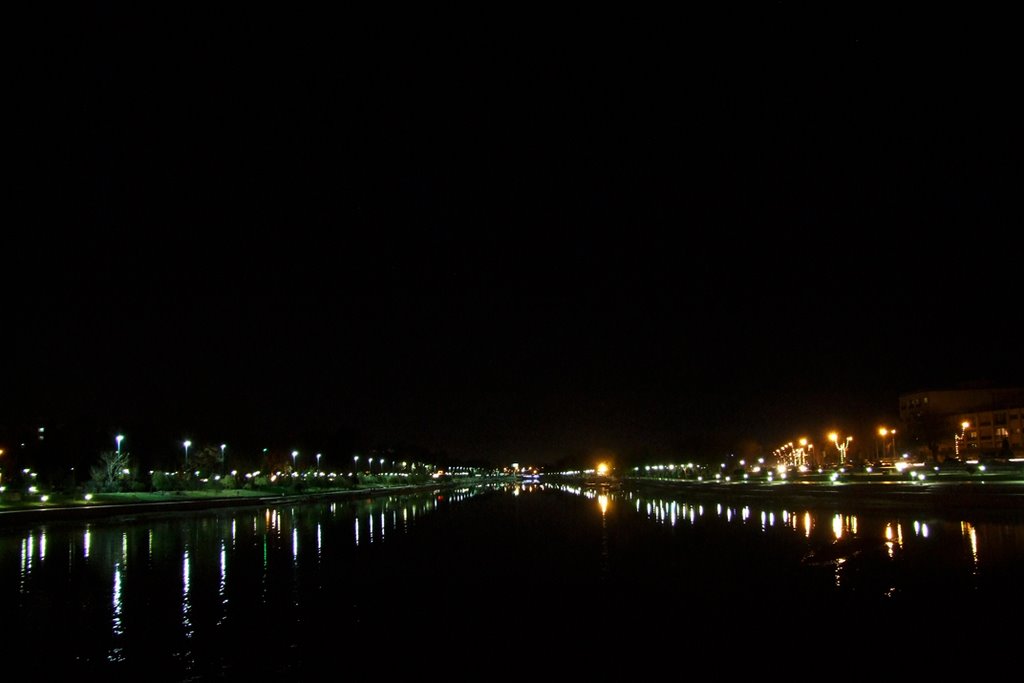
254	591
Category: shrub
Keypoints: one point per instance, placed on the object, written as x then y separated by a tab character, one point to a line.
167	482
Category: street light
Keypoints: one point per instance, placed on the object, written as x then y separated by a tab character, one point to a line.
355	463
841	445
318	461
222	447
119	438
187	444
957	439
801	454
295	459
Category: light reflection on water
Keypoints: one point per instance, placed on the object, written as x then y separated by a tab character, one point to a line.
214	583
116	653
217	557
186	603
222	584
851	537
968	530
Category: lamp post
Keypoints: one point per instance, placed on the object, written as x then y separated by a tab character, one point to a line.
958	438
882	432
222	447
355	464
187	444
295	459
318	461
840	445
119	438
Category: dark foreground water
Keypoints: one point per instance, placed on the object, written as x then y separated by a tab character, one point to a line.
515	570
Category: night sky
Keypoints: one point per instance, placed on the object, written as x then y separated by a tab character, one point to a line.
523	240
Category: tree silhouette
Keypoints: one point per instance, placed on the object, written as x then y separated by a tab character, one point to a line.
931	431
206	460
109	473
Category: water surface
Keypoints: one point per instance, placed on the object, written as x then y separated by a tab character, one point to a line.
261	590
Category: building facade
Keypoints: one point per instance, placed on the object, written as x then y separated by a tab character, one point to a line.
966	423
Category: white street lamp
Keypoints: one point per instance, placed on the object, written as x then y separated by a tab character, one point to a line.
295	459
318	461
119	438
187	444
222	447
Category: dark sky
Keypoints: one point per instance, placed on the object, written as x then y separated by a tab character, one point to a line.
509	239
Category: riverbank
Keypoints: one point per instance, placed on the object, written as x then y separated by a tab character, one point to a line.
119	504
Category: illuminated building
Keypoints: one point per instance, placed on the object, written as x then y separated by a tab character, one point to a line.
981	420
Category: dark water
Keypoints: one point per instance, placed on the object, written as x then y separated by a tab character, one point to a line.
258	591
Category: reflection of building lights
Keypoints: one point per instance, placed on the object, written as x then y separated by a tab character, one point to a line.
602	501
972	534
